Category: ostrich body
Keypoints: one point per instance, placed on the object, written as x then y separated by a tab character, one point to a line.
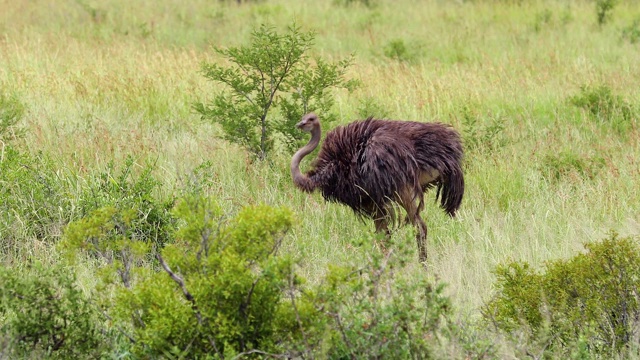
371	164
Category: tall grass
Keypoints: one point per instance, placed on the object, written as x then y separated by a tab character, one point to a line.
103	80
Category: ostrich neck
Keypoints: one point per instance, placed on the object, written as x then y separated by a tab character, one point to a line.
299	179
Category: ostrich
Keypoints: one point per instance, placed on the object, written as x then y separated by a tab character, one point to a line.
370	165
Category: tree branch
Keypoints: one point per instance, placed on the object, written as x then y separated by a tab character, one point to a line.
189	298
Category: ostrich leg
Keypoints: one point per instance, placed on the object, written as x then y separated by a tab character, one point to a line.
408	202
421	237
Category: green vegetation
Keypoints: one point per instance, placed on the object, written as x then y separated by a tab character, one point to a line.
591	298
45	314
632	32
566	165
605	107
142	231
603	10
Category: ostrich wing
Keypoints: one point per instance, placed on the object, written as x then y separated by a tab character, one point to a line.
386	165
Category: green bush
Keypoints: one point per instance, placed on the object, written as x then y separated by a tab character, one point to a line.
397	49
220	289
566	164
605	107
44	314
603	10
134	193
375	313
590	299
109	235
632	32
481	136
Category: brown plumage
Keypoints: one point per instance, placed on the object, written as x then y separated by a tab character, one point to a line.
369	165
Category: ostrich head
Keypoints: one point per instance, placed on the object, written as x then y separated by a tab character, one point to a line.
308	122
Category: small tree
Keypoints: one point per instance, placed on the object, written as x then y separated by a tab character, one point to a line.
273	71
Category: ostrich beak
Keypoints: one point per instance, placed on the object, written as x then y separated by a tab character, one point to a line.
300	124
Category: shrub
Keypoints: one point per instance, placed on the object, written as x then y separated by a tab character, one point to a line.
603	10
109	235
591	298
44	313
374	313
223	290
398	50
148	218
567	163
480	136
272	72
632	32
604	106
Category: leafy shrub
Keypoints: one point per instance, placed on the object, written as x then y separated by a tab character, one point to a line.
374	310
567	163
480	136
110	235
273	71
632	32
126	191
44	313
376	314
591	298
222	289
397	49
604	106
603	10
11	111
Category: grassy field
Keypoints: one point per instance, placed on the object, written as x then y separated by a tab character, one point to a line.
103	80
